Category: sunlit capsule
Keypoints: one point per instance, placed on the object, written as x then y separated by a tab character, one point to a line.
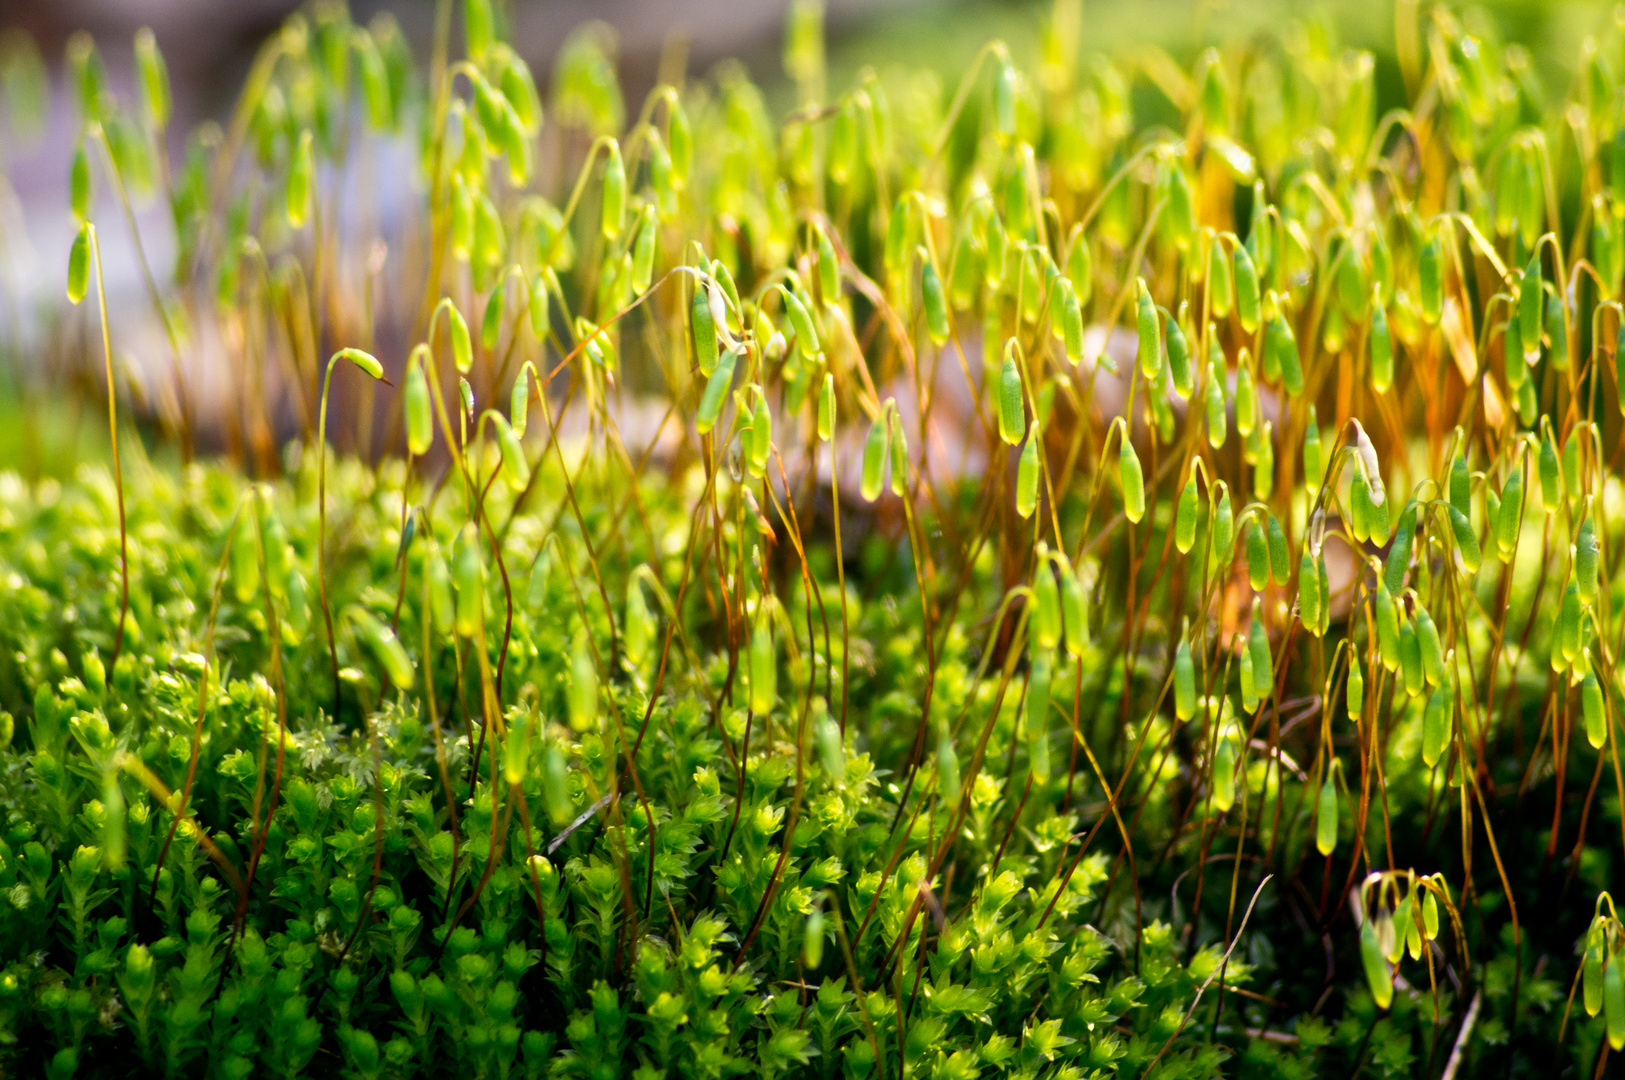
1221	286
1074	613
1382	350
1326	816
761	436
1410	658
1247	294
1185	517
715	394
1586	552
1314	467
79	184
1435	726
1133	479
1386	614
462	346
300	171
705	330
1325	596
1360	509
812	947
1027	474
1569	618
1184	682
1046	616
1356	690
419	426
1258	643
441	605
829	272
1223	533
1038	762
1399	551
1150	349
875	449
764	684
1531	304
1247	681
1179	360
801	319
1510	520
826	408
1427	636
1468	556
1012	411
79	264
1379	977
1551	479
1591	707
1258	558
1275	540
469	576
1246	401
1557	331
1224	776
1281	350
516	748
1071	322
643	251
1613	1000
1309	598
935	303
1430	273
1216	421
613	207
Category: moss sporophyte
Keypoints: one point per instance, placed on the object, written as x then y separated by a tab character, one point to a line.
866	577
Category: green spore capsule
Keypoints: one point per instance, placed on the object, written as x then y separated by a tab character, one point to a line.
300	171
1356	691
441	605
1387	618
613	207
1258	558
1248	300
1382	350
1184	682
826	408
1430	274
582	695
1181	213
1221	287
1038	762
1150	348
898	452
948	776
1461	485
1248	685
519	402
1046	616
469	577
1275	539
705	330
462	346
761	436
1510	520
1179	360
1185	517
764	684
1246	401
829	270
1360	509
1223	533
1004	98
1399	552
801	319
1531	301
515	467
639	626
1071	322
1326	816
1435	726
1557	332
1325	596
1258	643
1027	474
419	422
935	303
1410	658
715	394
1569	617
875	449
1613	1000
491	323
516	749
812	939
1133	479
1309	598
245	562
1314	464
1379	977
1224	776
1551	479
79	264
1468	556
1281	351
79	184
831	750
1074	613
643	251
1427	636
1216	421
1591	707
1586	555
1012	410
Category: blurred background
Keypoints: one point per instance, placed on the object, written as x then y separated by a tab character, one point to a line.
209	45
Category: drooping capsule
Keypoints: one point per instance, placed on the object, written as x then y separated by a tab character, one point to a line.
1224	776
1387	618
1258	558
1430	272
1314	467
1399	551
1150	347
1326	816
1133	480
1027	474
419	426
1074	613
1551	477
1180	369
875	449
1356	691
1275	539
1510	520
704	327
1461	484
79	264
1591	707
1410	658
1531	304
1258	643
1012	410
1586	555
1222	535
1281	350
1038	686
1247	295
1382	350
1427	636
1184	682
1468	556
468	575
715	394
1435	726
1309	598
1185	516
1246	401
764	686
